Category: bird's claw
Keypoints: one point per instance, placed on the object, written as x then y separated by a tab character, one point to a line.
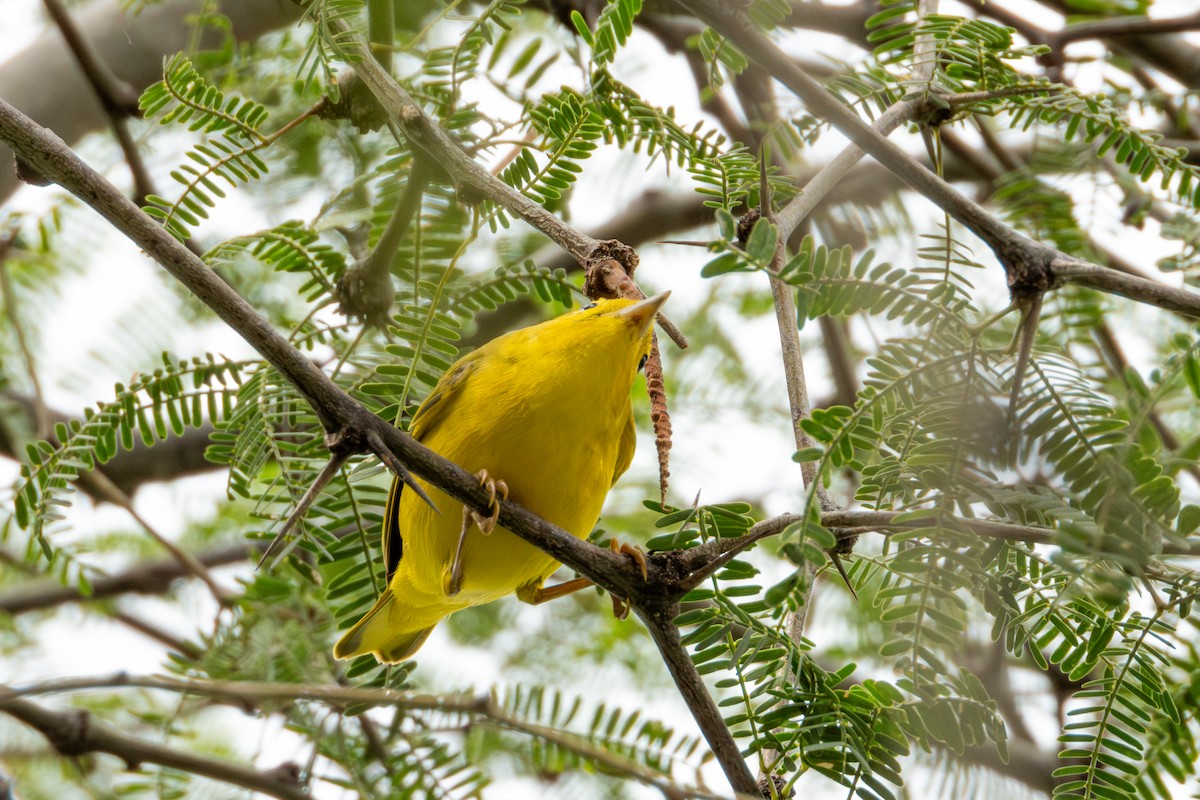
620	604
633	551
494	487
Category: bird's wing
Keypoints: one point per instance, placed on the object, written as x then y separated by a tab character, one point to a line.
625	447
393	544
436	407
431	413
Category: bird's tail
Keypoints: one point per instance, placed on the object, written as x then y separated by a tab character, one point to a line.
380	633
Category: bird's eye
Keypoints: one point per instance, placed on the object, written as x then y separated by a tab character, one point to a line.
589	305
642	363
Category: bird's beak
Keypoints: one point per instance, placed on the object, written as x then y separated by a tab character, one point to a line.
643	311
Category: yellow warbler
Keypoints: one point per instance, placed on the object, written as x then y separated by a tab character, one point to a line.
542	413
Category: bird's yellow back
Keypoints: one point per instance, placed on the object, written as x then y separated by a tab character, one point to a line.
546	409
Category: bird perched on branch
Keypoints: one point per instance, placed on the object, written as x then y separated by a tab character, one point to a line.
542	415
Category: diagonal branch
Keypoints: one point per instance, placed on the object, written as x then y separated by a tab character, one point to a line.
118	100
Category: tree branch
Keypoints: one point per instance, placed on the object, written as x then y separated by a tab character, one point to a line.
700	561
117	99
434	142
75	734
1131	287
1029	265
146	577
262	696
660	622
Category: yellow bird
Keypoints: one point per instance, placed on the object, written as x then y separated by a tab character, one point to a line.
541	414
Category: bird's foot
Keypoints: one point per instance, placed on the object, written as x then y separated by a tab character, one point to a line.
452	580
620	604
494	488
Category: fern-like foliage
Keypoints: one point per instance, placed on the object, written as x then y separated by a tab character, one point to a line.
576	737
449	68
570	131
179	395
327	46
293	247
777	699
613	27
1096	119
229	153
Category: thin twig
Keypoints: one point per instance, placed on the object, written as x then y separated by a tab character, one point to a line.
701	557
112	494
41	412
1116	27
828	178
1131	287
157	633
1114	357
118	100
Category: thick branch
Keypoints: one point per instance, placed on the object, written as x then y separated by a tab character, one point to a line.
660	622
1132	287
75	734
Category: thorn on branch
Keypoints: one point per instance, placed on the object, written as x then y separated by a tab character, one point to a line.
337	459
1031	314
356	104
380	449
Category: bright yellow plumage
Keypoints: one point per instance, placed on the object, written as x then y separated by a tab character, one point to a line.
546	409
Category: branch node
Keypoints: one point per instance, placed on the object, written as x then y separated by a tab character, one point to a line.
745	224
356	103
70	735
774	786
288	773
1028	268
609	270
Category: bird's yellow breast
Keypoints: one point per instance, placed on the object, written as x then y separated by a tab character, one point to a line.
554	441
